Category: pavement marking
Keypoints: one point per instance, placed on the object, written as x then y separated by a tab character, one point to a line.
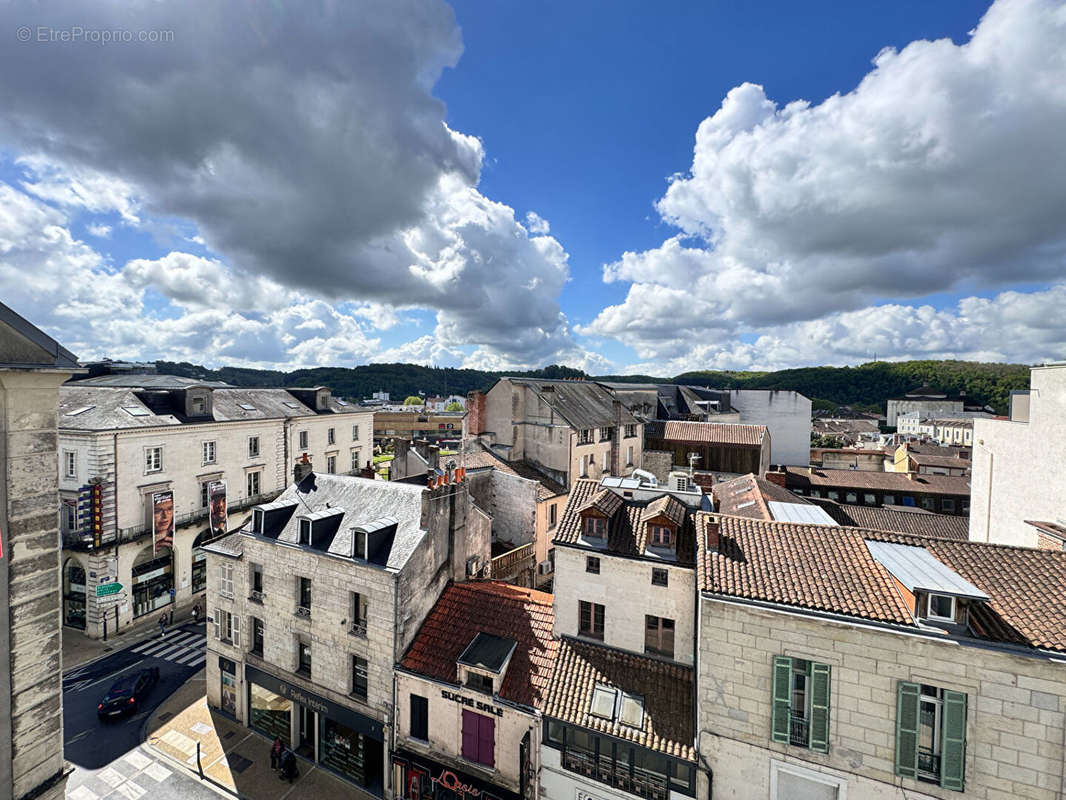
179	741
169	651
112	675
200	660
82	793
131	790
157	772
137	759
111	776
188	658
78	736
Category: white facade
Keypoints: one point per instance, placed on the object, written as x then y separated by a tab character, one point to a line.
786	414
1019	467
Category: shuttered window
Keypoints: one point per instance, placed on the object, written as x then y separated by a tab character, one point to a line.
931	734
800	715
419	718
479	738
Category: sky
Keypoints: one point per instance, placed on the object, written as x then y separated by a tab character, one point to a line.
617	186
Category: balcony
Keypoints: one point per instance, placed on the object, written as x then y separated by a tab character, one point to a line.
303	611
620	776
257	596
358	629
928	765
513	562
799	731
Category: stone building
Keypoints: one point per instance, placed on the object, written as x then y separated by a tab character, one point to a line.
927	401
32	367
717	447
945	494
469	692
311	605
139	438
851	663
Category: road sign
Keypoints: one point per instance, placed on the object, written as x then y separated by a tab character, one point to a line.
104	589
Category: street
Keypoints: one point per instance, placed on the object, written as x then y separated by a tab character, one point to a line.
107	754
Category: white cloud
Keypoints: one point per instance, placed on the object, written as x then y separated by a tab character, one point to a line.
943	171
537	224
99	231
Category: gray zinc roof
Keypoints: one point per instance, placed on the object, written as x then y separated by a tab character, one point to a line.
583	404
917	568
25	346
230	404
137	380
92	408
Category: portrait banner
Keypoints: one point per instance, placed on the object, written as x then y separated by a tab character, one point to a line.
162	521
216	501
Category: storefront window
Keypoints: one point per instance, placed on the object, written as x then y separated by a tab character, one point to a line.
352	754
153	578
74	596
271	714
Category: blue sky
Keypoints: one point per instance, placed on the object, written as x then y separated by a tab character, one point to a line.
505	185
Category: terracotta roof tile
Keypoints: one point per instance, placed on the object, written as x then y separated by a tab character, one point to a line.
466	609
898	482
918	521
667	689
748	495
714	432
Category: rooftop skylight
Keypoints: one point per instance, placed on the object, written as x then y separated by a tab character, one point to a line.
77	411
136	411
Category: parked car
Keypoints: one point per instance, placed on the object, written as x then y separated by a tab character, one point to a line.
127	693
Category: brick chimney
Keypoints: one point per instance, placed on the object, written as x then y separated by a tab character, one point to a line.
776	475
302	469
711	532
475	413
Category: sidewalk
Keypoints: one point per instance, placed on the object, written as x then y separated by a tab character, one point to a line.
79	649
232	757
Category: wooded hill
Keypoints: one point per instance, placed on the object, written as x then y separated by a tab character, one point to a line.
868	385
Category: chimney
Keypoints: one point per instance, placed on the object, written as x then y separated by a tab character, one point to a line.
776	475
711	532
432	457
475	413
302	469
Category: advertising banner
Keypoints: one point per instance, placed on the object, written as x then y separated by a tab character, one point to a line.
162	521
216	501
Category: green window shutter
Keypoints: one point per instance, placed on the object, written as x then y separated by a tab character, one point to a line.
953	740
820	707
782	711
907	701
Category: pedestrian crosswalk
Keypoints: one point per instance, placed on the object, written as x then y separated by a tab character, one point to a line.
185	648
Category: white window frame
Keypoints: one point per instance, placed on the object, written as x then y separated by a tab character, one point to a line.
356	456
153	465
331	464
258	480
303	439
209	448
225	580
355	433
253	452
70	459
331	436
825	778
929	607
227	627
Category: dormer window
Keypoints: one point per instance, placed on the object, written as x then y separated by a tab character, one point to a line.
479	682
199	404
305	531
595	527
942	607
257	520
359	544
661	536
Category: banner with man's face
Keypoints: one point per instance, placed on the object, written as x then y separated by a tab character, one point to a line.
162	520
216	501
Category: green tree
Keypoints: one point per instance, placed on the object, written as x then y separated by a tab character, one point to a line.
453	406
412	400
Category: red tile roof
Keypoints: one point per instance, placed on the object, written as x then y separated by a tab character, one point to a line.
896	482
714	433
748	495
667	689
916	521
466	609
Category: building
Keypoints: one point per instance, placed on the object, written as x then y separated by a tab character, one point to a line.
566	430
32	367
846	430
925	400
945	494
757	498
469	692
442	403
902	519
849	663
619	714
865	459
312	603
155	450
945	430
1019	466
922	460
717	447
417	424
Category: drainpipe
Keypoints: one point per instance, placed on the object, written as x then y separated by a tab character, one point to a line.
988	502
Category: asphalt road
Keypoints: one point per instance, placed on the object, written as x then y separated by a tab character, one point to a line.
107	754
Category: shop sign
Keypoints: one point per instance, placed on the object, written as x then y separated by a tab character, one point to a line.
471	702
147	576
292	693
450	781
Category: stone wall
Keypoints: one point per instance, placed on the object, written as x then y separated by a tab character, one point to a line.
659	463
1015	702
786	414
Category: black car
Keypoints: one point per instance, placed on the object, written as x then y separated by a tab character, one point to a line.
127	693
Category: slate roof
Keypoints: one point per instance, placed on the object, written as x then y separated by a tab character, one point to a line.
627	530
105	409
714	433
147	380
501	609
917	521
267	403
832	570
954	462
895	482
583	404
25	346
364	501
482	459
667	689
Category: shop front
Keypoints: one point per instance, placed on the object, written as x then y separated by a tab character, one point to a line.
74	595
153	580
336	737
415	777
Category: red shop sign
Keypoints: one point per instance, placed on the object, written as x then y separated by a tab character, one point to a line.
449	780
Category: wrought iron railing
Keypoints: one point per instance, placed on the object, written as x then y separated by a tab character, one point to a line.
799	731
303	611
257	596
358	629
621	776
928	763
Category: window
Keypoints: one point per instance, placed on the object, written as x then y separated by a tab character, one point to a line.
303	657
889	499
659	576
604	700
254	486
305	532
70	462
257	636
479	738
70	516
851	497
869	499
659	636
584	437
331	436
355	460
629	456
199	405
947	505
590	620
256	578
303	586
358	607
355	433
209	452
788	781
203	494
253	446
258	517
604	468
595	527
303	440
661	536
552	520
631	431
942	607
153	459
606	434
928	503
225	579
965	506
479	682
931	734
331	464
359	679
800	703
227	627
419	718
592	564
584	466
833	495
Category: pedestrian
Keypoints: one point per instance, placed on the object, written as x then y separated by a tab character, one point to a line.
163	625
288	765
275	753
195	613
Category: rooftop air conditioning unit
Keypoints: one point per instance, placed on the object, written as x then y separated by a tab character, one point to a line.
680	482
544	568
473	566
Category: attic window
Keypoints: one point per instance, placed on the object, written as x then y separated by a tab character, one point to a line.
305	531
77	411
547	388
247	406
603	702
289	404
257	520
942	607
136	411
342	402
661	536
359	544
631	712
595	527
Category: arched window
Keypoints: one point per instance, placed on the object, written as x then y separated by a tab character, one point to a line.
73	594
